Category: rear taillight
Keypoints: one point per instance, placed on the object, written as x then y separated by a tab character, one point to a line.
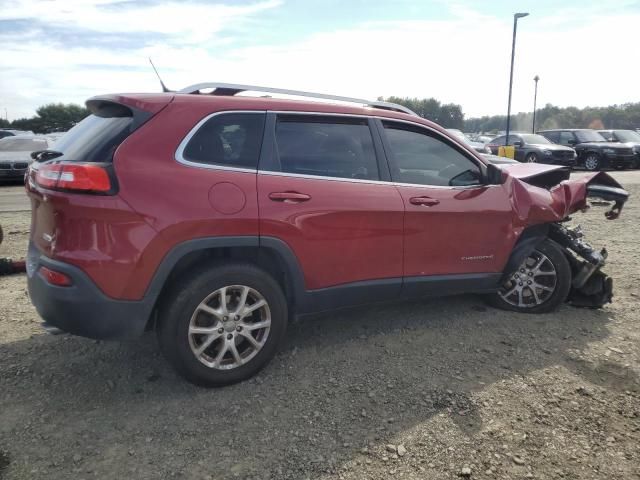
81	177
55	278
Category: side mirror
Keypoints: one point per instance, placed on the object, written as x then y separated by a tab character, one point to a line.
494	175
572	141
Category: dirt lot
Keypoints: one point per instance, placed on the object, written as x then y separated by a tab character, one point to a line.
435	389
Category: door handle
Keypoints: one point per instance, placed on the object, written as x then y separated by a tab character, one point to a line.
289	197
424	201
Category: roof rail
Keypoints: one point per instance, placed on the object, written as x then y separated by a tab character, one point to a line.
231	89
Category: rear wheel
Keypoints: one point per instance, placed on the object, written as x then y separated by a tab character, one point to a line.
223	324
592	161
531	158
539	285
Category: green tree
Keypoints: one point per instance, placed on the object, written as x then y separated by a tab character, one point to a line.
53	117
626	116
447	115
58	117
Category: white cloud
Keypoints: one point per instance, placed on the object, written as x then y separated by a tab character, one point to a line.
583	57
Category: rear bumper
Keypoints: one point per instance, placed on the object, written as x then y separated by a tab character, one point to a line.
82	309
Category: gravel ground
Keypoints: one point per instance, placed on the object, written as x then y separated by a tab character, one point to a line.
437	389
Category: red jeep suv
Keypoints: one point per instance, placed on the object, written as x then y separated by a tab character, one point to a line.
213	217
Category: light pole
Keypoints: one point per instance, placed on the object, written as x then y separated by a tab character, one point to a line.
535	98
516	16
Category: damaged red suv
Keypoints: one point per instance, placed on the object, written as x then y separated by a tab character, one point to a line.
213	218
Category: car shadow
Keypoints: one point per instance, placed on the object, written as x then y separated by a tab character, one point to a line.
342	381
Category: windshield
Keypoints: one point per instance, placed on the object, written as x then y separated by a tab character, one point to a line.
589	136
628	136
14	144
535	139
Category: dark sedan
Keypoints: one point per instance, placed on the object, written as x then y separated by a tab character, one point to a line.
533	148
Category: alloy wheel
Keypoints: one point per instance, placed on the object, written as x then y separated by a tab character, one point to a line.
532	284
229	327
591	162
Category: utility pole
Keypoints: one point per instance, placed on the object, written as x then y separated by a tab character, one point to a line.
516	16
535	98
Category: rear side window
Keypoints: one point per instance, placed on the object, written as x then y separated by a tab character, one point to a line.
228	139
420	157
326	146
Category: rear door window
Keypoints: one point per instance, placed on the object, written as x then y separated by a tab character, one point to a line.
228	140
326	146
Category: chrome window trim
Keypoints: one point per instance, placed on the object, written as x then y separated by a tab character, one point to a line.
179	155
374	182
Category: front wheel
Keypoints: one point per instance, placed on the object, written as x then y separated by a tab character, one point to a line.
541	283
531	158
222	324
592	162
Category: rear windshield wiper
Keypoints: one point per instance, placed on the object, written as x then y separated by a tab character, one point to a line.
43	155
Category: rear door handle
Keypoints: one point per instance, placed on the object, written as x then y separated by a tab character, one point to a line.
424	201
289	197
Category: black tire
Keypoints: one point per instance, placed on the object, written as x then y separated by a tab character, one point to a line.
558	296
180	304
531	158
592	162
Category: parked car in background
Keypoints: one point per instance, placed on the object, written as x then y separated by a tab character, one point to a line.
477	146
630	137
274	208
15	154
7	132
594	151
532	148
483	138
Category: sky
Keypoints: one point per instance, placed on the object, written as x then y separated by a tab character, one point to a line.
585	52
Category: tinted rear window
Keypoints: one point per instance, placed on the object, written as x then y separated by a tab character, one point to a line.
94	139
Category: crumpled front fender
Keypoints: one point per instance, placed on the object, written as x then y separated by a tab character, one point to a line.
534	201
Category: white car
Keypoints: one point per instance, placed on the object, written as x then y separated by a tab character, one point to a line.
7	132
477	146
15	154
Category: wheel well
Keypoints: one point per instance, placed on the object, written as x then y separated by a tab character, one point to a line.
264	258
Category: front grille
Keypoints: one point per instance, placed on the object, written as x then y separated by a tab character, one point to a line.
20	165
5	166
563	154
624	151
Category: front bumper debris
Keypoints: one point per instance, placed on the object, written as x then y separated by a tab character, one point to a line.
590	287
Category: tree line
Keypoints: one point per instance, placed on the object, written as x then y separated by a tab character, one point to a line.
626	116
53	117
450	115
60	117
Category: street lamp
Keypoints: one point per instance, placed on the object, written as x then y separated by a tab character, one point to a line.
535	98
516	16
